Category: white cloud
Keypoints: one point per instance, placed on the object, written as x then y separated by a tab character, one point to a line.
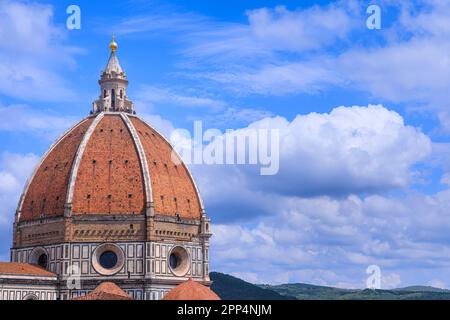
251	277
343	237
42	123
390	281
233	116
158	20
273	30
312	28
432	19
357	149
31	51
349	150
265	32
414	70
417	70
157	95
347	159
165	127
15	169
18	166
444	119
7	182
436	283
446	179
277	78
215	112
280	51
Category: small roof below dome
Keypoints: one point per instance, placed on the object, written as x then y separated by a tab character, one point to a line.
191	290
24	269
106	291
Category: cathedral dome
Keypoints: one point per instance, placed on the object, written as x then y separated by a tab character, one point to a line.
111	163
111	201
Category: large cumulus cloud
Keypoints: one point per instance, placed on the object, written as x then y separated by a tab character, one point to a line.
341	202
350	150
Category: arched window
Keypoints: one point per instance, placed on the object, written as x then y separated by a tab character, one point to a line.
42	261
121	94
104	93
113	99
30	296
39	256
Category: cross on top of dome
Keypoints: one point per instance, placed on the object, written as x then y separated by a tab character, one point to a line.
113	68
113	85
113	44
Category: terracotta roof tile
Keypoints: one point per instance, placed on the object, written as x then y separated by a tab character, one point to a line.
106	291
114	182
15	268
110	178
46	193
173	189
191	290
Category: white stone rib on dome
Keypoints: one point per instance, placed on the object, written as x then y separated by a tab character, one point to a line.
41	161
142	158
76	163
197	190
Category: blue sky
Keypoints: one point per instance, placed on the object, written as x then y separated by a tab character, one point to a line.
364	118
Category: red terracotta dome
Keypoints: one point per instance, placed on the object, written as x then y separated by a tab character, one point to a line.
106	291
191	290
110	163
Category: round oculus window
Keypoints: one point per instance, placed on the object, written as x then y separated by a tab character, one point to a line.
173	261
179	261
108	259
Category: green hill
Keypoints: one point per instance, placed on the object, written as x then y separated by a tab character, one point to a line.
422	289
304	291
310	292
232	288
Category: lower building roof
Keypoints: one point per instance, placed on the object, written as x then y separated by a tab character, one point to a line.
106	291
24	269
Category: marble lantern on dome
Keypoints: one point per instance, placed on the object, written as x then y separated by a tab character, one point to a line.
113	87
